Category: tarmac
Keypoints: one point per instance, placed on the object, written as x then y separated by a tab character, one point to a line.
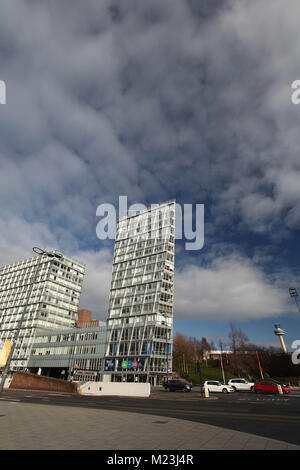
31	426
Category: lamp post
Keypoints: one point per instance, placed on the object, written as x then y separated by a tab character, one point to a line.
222	367
198	369
259	365
72	356
293	293
39	252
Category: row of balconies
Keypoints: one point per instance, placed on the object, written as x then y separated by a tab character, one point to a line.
136	277
144	288
39	281
127	298
40	260
123	248
142	268
133	302
141	307
138	254
140	263
154	230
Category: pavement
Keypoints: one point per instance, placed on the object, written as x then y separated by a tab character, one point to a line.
45	426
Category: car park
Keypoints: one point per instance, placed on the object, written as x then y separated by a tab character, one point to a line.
216	386
270	386
174	385
241	385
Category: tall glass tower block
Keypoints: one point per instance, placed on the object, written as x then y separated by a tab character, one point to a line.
48	289
140	319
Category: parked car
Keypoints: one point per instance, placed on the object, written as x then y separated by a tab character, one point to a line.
270	386
216	386
241	384
176	384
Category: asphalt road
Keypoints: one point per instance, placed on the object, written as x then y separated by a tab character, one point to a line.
275	417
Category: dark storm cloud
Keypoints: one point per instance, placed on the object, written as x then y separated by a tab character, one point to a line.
149	99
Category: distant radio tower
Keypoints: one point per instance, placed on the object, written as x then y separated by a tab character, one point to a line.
279	332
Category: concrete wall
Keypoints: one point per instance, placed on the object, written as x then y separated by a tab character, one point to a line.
27	381
7	382
125	389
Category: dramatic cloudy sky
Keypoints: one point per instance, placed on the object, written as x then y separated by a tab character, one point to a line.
154	100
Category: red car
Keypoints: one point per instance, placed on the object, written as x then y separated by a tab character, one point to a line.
270	386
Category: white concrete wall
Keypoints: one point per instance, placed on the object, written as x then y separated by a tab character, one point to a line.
106	378
7	382
125	389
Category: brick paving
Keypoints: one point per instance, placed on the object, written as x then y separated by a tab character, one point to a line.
26	426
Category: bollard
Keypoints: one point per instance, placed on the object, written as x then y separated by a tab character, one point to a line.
280	389
206	392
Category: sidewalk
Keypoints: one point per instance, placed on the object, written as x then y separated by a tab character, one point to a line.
25	426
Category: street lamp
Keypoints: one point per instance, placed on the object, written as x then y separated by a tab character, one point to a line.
39	252
222	367
198	369
294	293
72	355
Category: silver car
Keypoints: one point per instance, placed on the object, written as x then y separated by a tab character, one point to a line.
241	385
216	386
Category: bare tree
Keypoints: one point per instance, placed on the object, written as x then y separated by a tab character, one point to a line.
184	351
205	348
195	347
238	345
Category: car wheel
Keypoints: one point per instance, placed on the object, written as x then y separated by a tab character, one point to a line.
234	389
224	390
259	391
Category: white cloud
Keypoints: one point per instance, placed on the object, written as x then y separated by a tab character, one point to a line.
96	286
152	97
17	238
230	288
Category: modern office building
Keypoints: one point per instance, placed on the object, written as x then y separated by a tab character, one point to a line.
140	318
76	353
48	289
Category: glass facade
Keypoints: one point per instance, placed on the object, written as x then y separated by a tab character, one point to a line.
76	352
48	289
140	319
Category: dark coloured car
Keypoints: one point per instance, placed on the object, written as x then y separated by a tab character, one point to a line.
270	386
175	385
